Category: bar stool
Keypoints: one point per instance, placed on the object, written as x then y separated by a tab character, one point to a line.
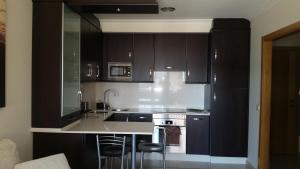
110	147
154	147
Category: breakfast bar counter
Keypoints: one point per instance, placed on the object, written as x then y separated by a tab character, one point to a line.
97	125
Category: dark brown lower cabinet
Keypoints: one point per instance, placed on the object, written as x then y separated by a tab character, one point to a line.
79	149
197	135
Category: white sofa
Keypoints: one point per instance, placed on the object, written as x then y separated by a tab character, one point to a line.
8	154
58	161
9	159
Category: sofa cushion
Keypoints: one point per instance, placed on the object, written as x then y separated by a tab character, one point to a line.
8	154
58	161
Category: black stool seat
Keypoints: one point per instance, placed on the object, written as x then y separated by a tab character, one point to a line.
114	151
151	147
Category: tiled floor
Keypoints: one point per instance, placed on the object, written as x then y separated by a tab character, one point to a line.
194	165
186	165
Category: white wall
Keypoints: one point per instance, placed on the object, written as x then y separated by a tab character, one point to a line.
15	118
284	13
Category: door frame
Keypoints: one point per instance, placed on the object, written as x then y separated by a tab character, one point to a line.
266	85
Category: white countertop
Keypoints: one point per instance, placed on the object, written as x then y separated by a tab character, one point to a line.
96	125
164	110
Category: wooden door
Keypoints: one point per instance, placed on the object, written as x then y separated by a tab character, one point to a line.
170	52
2	75
143	65
197	58
284	101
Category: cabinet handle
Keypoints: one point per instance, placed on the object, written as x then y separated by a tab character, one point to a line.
215	97
215	78
150	73
80	95
98	71
91	68
169	67
118	10
129	54
89	74
188	73
196	119
216	54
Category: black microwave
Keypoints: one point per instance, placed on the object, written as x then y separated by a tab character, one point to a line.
119	71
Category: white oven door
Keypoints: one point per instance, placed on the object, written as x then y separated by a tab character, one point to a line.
157	137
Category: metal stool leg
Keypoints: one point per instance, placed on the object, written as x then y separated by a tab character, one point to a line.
142	159
122	162
111	162
127	161
164	160
106	161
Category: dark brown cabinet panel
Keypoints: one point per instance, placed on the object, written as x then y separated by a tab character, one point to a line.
170	52
91	50
143	64
118	47
46	64
197	134
197	58
229	122
72	145
230	59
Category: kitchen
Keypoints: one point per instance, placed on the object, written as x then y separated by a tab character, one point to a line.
195	81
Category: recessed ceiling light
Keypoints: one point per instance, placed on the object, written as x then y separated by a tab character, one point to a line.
167	9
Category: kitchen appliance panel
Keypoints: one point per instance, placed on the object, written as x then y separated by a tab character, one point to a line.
119	71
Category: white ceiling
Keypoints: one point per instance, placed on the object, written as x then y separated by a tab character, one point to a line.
203	9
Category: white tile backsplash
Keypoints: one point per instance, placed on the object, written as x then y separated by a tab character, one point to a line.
168	91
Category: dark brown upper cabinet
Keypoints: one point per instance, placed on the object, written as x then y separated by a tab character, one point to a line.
55	65
143	64
197	58
118	47
170	51
91	50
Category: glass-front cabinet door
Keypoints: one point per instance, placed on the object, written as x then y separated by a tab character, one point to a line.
71	62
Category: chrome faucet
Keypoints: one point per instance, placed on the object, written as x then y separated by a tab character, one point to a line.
106	95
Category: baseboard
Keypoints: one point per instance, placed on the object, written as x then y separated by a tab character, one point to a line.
228	160
196	158
249	165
